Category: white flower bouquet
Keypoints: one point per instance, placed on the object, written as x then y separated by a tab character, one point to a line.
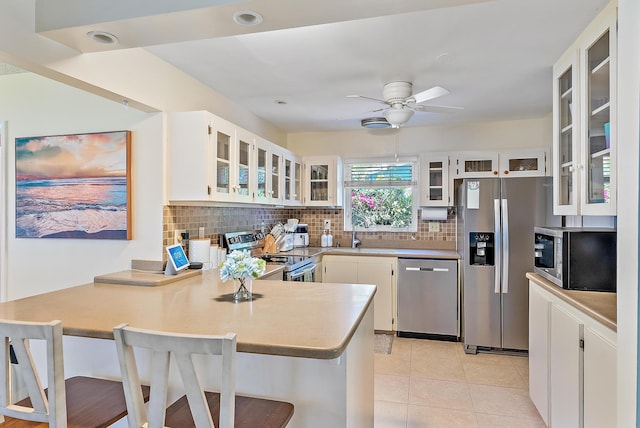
240	264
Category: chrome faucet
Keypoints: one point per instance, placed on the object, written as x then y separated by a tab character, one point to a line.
354	240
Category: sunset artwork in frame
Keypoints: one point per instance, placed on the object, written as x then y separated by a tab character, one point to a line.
74	186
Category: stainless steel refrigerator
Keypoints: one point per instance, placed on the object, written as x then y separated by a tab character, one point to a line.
495	235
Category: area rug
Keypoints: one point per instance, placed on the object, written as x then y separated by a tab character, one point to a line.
382	343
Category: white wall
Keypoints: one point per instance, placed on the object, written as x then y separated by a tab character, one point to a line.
628	173
35	106
514	134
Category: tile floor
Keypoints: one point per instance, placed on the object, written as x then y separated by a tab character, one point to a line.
427	383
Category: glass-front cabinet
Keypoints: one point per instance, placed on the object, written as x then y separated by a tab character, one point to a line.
475	164
243	175
292	180
523	163
584	122
222	159
322	181
434	180
600	101
566	124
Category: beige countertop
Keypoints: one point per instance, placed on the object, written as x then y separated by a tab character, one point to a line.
295	319
394	252
599	305
271	268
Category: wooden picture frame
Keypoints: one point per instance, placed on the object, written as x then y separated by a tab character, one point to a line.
74	186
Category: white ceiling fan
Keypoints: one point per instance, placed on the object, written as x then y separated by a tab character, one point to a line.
401	103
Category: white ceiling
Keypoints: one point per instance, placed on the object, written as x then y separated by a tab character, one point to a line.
495	56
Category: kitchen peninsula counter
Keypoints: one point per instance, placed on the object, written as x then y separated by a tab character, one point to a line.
284	318
307	343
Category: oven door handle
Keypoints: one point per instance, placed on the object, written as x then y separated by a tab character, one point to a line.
302	272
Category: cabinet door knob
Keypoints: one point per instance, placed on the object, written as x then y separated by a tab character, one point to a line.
506	172
495	172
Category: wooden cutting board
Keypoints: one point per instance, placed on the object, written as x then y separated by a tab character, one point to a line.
149	279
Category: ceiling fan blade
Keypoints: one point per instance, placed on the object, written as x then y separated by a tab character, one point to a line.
355	116
368	98
429	94
436	109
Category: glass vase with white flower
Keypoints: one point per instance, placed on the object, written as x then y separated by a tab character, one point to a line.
242	268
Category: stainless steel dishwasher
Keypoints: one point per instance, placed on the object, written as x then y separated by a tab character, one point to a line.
428	299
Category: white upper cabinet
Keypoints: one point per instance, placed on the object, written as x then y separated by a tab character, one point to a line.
474	164
204	159
566	127
585	122
292	183
434	180
190	147
504	163
523	163
322	181
211	159
244	175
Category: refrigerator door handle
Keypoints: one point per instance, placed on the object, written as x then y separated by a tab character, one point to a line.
505	246
498	244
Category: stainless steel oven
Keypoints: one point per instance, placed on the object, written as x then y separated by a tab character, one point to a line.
304	273
299	268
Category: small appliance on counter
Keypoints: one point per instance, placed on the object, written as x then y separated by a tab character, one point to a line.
576	258
301	236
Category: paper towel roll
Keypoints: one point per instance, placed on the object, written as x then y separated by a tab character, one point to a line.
434	213
199	252
213	256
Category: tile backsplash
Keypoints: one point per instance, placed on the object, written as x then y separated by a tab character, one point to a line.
219	220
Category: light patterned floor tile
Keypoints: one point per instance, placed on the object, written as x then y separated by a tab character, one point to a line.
434	417
492	374
391	388
392	365
390	415
444	387
502	401
440	393
498	421
436	367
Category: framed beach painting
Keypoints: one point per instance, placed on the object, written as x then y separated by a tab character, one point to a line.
74	186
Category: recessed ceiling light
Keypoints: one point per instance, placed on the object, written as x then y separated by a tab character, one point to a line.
102	37
248	18
375	123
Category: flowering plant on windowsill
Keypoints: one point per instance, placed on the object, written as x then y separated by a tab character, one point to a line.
240	264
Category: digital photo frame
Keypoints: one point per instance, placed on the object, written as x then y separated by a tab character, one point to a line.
177	260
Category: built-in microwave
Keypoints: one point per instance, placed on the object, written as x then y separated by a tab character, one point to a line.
576	258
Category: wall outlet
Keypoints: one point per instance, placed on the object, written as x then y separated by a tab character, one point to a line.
434	226
177	236
326	224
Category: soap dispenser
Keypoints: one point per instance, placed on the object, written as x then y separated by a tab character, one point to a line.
329	239
324	240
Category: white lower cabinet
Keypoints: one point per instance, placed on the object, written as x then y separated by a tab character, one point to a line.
539	307
379	271
572	364
600	372
565	367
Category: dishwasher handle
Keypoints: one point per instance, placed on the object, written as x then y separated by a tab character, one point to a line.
426	269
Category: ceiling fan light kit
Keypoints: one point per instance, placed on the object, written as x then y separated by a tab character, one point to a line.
402	103
375	123
397	116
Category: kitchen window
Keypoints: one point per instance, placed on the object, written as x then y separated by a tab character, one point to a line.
381	195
